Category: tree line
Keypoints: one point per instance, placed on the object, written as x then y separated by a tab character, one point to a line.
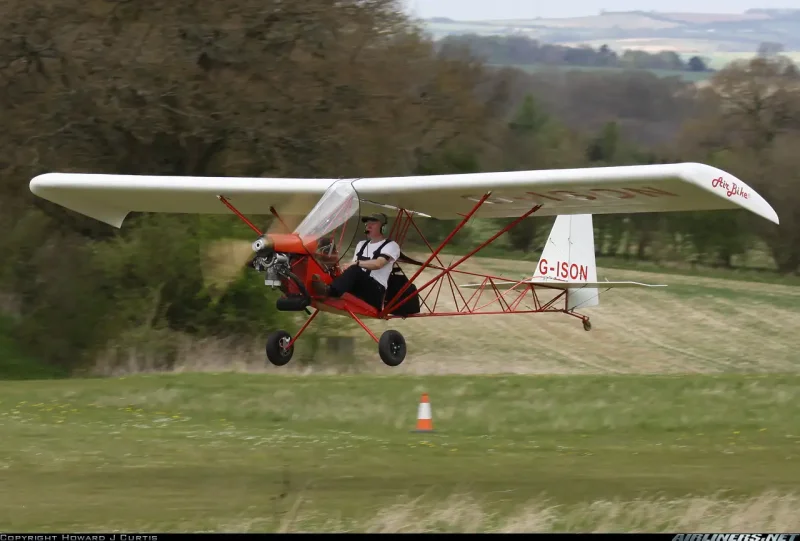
524	51
314	88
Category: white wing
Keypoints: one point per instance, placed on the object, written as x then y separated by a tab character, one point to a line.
628	189
109	198
605	190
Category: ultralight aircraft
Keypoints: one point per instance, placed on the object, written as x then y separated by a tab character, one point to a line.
332	209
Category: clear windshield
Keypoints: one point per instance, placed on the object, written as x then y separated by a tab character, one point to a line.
337	205
334	217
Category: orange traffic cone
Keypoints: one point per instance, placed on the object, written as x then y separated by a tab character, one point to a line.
424	418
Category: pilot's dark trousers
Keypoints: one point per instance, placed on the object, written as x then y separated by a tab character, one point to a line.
357	282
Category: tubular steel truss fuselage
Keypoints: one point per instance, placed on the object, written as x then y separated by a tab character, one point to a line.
485	298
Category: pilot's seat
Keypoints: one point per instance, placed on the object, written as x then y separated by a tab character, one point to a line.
398	279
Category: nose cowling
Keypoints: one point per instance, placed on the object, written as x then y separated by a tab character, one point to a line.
262	243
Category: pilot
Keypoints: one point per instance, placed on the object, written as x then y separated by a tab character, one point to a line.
368	275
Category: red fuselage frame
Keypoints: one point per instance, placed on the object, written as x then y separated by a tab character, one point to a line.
305	265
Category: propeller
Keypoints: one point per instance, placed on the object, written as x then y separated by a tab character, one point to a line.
225	258
334	216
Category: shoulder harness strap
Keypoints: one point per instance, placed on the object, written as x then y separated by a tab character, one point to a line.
360	255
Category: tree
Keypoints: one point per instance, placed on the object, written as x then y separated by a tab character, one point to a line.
770	48
697	64
255	88
534	140
751	127
603	148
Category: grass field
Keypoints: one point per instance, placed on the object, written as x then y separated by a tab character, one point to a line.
678	412
235	452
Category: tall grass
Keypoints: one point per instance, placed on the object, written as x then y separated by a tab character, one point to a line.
769	511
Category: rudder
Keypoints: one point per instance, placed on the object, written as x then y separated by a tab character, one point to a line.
568	256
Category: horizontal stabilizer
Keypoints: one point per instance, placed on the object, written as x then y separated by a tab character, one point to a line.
556	284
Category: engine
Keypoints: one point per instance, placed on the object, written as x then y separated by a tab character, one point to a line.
275	267
277	270
274	264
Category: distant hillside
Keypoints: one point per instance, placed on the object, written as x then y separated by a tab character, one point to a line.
532	55
705	34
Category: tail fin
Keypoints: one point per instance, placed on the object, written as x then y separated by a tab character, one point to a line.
568	256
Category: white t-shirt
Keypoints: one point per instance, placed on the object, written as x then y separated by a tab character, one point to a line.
392	250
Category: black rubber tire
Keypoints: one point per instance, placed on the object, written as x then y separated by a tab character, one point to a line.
392	348
587	325
276	354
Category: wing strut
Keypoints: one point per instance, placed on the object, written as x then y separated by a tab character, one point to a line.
240	215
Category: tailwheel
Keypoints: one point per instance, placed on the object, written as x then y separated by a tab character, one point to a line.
587	325
392	348
277	352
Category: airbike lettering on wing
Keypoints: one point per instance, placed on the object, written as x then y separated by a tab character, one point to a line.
730	189
564	269
591	194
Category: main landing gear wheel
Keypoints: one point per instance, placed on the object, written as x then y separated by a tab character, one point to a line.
392	348
277	352
587	325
